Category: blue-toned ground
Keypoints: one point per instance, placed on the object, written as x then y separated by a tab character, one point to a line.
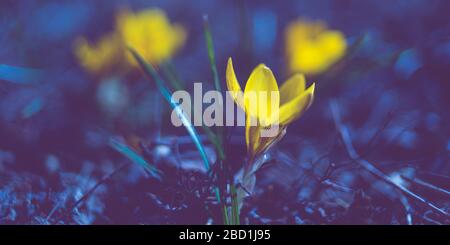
57	121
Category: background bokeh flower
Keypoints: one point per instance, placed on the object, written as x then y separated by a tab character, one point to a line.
102	56
148	31
151	34
311	47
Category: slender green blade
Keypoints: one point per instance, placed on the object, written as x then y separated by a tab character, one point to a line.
212	61
151	73
211	54
234	205
20	75
134	157
177	84
170	73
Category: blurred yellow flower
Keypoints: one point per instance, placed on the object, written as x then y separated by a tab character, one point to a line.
101	56
151	34
311	48
288	104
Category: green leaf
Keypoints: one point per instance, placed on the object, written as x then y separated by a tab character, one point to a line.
134	157
211	54
170	73
153	74
234	205
20	75
218	140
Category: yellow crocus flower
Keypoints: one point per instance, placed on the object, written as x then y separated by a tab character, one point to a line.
311	48
292	101
151	34
101	56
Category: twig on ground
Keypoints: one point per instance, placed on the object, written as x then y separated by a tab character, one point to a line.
336	186
346	139
408	209
99	183
373	139
425	217
435	175
420	182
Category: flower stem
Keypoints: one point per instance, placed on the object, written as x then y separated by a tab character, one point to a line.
234	205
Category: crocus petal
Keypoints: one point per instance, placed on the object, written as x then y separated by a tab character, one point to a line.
233	85
267	142
256	143
295	108
252	136
261	82
292	88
